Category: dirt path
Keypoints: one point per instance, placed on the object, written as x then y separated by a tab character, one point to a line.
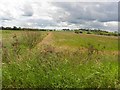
48	44
46	41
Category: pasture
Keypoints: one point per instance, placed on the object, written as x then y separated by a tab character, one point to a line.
58	59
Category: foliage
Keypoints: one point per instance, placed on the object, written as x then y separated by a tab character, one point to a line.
25	66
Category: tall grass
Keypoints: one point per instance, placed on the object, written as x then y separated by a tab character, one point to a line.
19	45
61	70
48	68
30	39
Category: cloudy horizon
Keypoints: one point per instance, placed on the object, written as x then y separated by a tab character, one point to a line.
59	15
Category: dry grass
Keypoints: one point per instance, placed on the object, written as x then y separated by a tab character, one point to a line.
51	66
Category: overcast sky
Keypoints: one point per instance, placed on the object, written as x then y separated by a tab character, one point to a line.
57	15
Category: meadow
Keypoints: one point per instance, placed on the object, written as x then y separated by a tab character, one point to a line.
59	59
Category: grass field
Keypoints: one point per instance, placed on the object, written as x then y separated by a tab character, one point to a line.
39	59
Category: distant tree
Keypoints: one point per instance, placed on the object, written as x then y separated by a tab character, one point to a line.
77	31
118	34
65	29
19	28
50	30
15	28
2	28
88	32
80	32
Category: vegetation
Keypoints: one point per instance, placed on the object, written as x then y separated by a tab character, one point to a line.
97	32
72	40
87	31
36	59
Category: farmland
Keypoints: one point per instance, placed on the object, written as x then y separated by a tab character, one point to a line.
59	59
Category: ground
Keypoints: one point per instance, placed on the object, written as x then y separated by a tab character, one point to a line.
59	59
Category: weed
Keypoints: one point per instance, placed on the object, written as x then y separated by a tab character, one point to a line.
49	68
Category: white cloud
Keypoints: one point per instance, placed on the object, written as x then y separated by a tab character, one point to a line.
111	23
29	13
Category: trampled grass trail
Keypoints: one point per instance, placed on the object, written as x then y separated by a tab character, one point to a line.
47	40
48	43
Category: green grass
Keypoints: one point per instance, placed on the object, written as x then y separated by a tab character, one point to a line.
83	40
59	70
38	68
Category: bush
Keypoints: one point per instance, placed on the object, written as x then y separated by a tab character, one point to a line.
81	32
88	32
77	31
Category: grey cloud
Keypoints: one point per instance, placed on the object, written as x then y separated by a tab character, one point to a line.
60	14
90	11
27	10
43	23
85	13
4	18
38	22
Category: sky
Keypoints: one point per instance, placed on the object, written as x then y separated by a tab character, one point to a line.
56	14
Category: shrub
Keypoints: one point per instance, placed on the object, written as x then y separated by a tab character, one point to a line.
88	32
77	31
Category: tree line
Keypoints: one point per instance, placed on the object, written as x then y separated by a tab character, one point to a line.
87	31
19	28
97	32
